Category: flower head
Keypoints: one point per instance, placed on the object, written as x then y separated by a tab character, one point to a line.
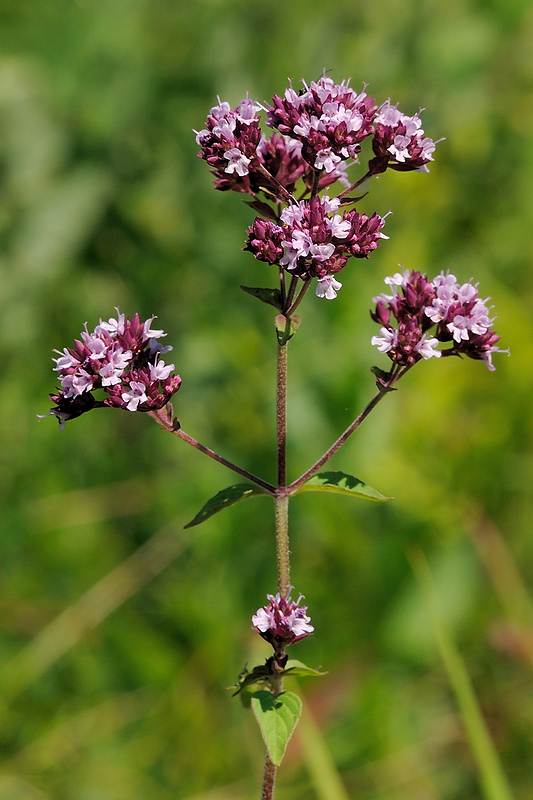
399	141
318	132
121	357
229	143
282	621
314	240
316	137
421	314
329	119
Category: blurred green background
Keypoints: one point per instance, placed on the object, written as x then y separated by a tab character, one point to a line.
119	631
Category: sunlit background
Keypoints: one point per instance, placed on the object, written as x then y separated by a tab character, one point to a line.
120	631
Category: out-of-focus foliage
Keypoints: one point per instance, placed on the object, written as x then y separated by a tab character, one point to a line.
103	203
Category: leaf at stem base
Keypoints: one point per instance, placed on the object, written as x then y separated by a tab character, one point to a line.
286	327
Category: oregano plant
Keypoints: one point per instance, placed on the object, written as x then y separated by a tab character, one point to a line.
301	163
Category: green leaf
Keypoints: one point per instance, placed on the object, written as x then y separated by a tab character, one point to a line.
297	669
277	718
286	328
270	296
250	682
227	497
263	208
341	483
494	782
382	380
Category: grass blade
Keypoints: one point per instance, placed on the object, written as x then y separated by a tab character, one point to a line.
492	777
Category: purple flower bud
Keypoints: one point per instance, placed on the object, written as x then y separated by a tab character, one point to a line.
264	241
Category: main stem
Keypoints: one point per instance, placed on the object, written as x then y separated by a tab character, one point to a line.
282	524
281	499
269	779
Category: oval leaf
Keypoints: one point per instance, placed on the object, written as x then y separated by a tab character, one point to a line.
341	483
277	718
227	497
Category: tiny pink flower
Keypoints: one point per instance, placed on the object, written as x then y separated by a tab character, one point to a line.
282	621
328	287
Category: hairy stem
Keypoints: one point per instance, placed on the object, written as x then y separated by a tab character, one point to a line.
282	545
290	295
300	297
355	185
281	499
269	779
281	415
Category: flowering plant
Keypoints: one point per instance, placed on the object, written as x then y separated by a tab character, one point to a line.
309	225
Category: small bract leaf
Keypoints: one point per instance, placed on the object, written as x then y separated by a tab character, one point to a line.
263	208
277	718
297	669
286	328
346	201
270	296
227	497
341	483
259	677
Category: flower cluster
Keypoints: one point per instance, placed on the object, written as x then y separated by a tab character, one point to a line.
421	314
399	141
282	621
121	357
322	127
315	241
229	143
317	134
329	119
281	157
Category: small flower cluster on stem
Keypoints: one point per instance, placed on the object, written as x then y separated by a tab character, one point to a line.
422	314
282	622
315	241
121	357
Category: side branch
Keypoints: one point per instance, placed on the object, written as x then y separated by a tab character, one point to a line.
338	444
167	423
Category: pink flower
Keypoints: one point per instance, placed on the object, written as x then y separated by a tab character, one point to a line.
399	141
282	621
